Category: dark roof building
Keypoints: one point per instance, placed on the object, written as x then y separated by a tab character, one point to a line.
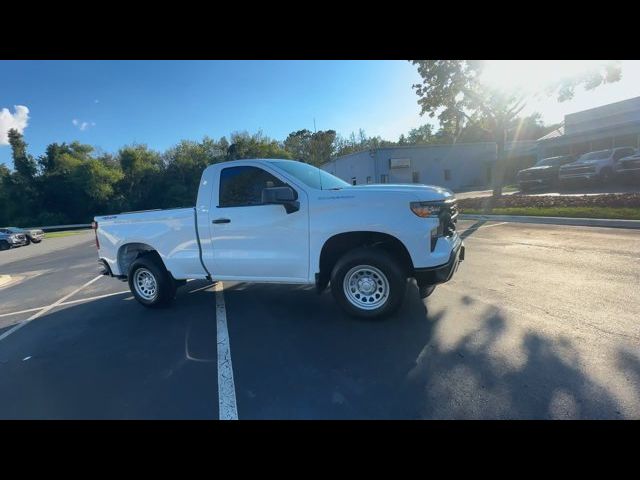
613	125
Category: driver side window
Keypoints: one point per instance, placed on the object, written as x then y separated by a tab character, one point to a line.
242	186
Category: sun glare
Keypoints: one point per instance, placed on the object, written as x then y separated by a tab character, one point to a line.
532	75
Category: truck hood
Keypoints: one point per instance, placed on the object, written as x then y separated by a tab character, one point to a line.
420	192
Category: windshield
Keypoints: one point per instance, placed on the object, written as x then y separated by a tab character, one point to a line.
599	155
548	162
311	176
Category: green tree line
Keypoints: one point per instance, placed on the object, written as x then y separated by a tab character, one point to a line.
72	182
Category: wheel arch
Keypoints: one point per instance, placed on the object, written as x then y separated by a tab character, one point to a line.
337	245
129	252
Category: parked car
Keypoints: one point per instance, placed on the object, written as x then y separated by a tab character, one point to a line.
282	221
34	235
594	166
11	240
628	167
543	174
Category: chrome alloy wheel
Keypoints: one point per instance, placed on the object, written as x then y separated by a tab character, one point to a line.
366	287
145	284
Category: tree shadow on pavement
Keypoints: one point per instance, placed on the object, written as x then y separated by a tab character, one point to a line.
482	375
472	229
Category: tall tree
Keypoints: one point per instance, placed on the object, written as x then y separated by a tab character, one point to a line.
23	163
141	169
454	91
298	144
322	146
421	135
5	199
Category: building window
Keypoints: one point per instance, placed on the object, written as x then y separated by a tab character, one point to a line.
368	179
416	177
384	178
353	180
447	174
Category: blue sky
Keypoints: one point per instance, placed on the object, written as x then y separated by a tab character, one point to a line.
113	103
160	103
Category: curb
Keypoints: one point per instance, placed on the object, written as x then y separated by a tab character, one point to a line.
5	279
582	222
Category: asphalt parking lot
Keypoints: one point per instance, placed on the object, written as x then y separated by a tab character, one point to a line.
539	322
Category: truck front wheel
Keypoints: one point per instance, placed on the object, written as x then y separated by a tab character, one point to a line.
150	283
368	283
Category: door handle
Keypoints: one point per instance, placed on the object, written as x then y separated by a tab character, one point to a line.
221	220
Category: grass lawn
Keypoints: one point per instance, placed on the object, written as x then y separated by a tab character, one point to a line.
620	213
65	233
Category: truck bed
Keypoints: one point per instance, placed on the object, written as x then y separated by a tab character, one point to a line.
172	233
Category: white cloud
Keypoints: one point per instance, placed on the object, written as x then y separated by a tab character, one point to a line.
82	125
18	120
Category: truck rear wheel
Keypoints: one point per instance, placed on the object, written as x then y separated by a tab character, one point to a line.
150	283
368	283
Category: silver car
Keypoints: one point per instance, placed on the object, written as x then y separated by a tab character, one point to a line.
12	240
33	235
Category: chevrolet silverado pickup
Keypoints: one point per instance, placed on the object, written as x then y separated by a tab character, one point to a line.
283	221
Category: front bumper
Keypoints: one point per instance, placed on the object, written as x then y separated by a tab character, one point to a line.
18	243
441	273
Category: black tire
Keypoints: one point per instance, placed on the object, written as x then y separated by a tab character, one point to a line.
426	290
28	241
4	245
165	289
356	261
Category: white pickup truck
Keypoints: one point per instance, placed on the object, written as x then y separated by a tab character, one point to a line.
282	221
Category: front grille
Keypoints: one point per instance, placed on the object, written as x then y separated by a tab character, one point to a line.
449	218
631	163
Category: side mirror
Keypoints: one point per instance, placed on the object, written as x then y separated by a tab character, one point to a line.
284	196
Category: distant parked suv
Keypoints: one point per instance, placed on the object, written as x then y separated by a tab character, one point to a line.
34	235
543	174
595	166
628	167
10	240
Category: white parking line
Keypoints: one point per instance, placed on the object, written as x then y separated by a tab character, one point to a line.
226	387
47	308
70	302
202	288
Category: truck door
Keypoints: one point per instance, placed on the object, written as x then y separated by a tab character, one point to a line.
254	241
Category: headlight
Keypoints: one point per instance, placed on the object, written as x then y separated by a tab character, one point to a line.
425	209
